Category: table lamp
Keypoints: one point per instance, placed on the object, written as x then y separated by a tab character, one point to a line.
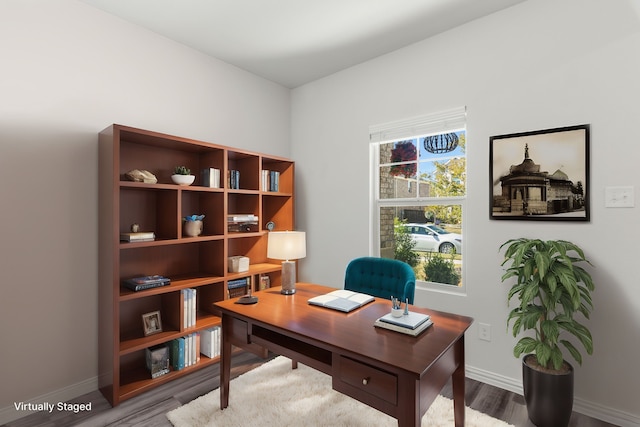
287	246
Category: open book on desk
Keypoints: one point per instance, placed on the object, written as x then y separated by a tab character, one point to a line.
342	300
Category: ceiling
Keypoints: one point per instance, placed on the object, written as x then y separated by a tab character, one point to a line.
293	42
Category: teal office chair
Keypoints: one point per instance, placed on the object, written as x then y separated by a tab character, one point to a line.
381	277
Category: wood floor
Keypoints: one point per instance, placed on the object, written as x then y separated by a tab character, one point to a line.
150	408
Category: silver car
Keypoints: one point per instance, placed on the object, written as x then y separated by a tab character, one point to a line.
431	238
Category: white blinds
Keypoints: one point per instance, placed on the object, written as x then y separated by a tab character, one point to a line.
426	124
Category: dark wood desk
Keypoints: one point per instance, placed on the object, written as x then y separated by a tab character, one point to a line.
395	373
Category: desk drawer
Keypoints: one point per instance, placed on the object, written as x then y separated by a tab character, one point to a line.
367	379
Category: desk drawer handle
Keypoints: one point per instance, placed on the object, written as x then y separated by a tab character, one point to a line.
365	381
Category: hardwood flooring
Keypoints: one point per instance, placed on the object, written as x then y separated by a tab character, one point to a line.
149	409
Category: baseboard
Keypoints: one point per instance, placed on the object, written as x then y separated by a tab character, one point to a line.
65	394
496	380
613	416
594	410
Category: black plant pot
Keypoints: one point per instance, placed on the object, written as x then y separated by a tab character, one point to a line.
549	396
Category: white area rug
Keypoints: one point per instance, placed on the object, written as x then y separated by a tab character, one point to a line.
276	395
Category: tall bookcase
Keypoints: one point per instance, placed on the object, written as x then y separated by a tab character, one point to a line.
190	262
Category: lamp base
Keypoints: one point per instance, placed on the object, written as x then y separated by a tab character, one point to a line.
288	278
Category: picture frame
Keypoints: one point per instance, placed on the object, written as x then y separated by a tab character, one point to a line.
151	323
540	175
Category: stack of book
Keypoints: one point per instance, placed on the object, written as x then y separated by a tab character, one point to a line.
242	222
146	282
270	180
185	351
238	287
190	307
140	236
211	177
410	324
210	342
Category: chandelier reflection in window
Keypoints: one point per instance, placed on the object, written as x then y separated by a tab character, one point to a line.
439	144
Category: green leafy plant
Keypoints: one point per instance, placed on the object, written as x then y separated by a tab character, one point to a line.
551	288
403	243
440	270
182	170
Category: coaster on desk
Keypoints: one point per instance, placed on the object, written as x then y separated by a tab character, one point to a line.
247	300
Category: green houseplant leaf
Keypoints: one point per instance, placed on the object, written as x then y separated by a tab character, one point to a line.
550	288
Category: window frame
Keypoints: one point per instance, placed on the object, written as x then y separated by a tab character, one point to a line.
398	131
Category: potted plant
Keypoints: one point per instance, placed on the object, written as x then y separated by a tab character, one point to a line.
182	176
193	225
551	289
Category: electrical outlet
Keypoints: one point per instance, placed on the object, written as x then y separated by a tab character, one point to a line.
484	331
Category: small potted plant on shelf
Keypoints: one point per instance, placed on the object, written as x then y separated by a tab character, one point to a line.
193	225
551	289
182	176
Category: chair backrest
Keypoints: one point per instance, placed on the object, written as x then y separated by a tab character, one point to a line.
381	277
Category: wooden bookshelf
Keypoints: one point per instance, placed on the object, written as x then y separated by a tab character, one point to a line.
190	262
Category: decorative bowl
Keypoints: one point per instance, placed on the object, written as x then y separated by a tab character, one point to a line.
183	179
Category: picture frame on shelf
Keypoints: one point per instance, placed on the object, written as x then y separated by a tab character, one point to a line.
265	282
151	323
540	175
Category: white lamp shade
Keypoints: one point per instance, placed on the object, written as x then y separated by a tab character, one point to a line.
286	245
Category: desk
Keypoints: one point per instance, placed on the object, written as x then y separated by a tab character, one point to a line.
395	373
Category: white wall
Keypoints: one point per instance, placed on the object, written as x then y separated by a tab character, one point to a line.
538	65
67	71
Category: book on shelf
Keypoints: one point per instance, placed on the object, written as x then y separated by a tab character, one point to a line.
270	180
402	329
158	360
177	353
242	218
242	222
238	287
196	350
211	177
185	351
146	282
238	283
190	307
342	300
140	236
234	179
210	342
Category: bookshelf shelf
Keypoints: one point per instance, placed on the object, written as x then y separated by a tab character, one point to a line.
198	263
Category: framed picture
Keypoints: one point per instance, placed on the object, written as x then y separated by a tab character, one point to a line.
540	175
151	323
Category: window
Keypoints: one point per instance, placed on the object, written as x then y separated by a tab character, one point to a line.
418	195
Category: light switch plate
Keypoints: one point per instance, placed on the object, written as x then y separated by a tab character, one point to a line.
619	197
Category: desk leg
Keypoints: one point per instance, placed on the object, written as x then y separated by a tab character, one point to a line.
225	363
409	402
457	380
